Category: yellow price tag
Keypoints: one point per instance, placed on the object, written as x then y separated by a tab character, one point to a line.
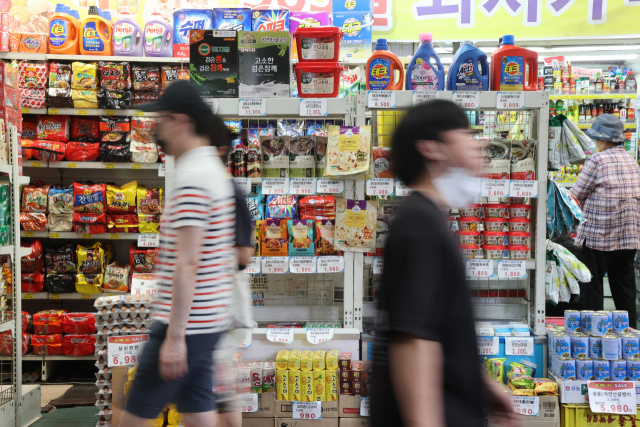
109	165
54	235
87	296
86	236
114	236
28	234
26	110
36	164
136	166
109	112
72	165
53	111
82	112
27	296
54	296
138	113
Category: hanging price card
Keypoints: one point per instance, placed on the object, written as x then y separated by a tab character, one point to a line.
378	265
330	186
302	186
612	397
423	96
380	187
149	240
488	346
402	189
518	346
479	268
252	107
365	407
144	284
523	189
254	265
307	410
526	405
275	186
313	107
247	338
510	269
244	184
510	101
302	264
275	265
212	103
319	335
248	402
381	99
494	188
330	264
162	169
125	351
465	99
281	335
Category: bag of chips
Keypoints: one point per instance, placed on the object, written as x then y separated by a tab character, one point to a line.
60	222
114	99
89	198
149	200
114	152
318	207
33	98
115	129
48	321
85	76
60	75
32	282
27	321
78	345
32	262
172	73
59	98
356	225
60	283
33	74
61	260
85	98
89	284
48	150
85	129
88	223
90	259
122	223
149	223
54	128
78	323
49	345
282	206
142	260
32	221
146	78
34	198
82	151
116	278
144	153
325	238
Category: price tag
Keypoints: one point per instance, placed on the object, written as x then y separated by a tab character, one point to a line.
281	335
275	265
420	96
329	186
138	113
109	165
518	346
252	107
526	405
313	107
247	338
402	189
54	296
302	186
302	264
612	397
244	184
254	265
510	101
381	99
28	234
87	236
144	284
212	103
54	235
365	407
82	112
53	111
125	350
464	99
149	240
307	410
330	264
248	402
508	269
71	165
380	187
109	112
162	169
378	265
27	296
275	186
479	268
26	110
488	346
523	189
36	164
114	236
494	188
319	335
136	166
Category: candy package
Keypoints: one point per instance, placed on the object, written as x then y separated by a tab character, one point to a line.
32	221
149	200
60	75
118	223
115	129
282	206
60	200
85	76
34	198
54	128
61	259
142	260
33	74
85	129
85	98
146	78
89	198
121	200
89	223
48	150
116	278
90	259
82	151
60	283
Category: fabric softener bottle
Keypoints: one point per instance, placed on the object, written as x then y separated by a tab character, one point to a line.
421	74
469	69
158	36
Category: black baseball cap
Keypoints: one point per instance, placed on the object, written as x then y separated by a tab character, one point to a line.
181	97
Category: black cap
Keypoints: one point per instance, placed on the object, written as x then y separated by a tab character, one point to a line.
181	97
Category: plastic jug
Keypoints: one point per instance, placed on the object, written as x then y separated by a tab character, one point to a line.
127	35
382	67
513	68
97	37
158	36
469	69
64	30
421	74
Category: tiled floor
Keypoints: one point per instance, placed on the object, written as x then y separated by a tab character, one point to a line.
84	416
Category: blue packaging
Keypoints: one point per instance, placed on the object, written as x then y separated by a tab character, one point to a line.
185	20
469	69
352	6
357	34
232	18
270	20
301	241
256	207
282	206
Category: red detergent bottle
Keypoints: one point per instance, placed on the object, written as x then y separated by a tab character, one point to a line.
514	68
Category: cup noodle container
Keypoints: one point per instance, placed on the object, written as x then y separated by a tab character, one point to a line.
494	238
518	252
518	238
469	251
468	237
495	224
495	210
494	251
517	210
474	210
470	223
453	224
520	224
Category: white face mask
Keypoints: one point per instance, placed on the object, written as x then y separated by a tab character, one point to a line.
457	187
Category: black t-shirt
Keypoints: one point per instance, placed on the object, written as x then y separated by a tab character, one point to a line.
424	293
243	219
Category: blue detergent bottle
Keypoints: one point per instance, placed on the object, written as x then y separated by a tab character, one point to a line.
469	69
421	73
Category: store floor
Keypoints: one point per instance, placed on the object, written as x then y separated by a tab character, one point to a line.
84	416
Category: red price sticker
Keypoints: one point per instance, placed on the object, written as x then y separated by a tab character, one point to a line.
330	186
330	264
313	107
381	99
380	187
494	188
275	265
479	268
523	189
518	346
125	350
307	410
275	186
252	107
464	99
488	346
612	397
510	101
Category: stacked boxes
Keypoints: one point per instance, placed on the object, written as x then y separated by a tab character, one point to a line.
307	376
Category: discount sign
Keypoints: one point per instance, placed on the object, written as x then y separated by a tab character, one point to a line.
612	397
125	351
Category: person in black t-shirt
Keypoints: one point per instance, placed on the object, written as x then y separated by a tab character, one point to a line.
426	370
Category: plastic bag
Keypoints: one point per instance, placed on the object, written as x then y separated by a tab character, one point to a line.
114	152
114	75
146	78
122	200
144	152
551	208
122	223
60	283
149	200
82	151
569	260
34	198
89	198
61	260
570	202
34	261
116	278
89	284
587	143
32	221
574	287
85	129
89	223
575	151
60	222
48	150
552	283
90	259
114	99
115	129
54	128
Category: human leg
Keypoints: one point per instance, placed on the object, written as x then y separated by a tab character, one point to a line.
591	293
622	282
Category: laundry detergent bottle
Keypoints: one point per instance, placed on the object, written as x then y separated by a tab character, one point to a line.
64	30
421	74
384	69
127	35
469	69
158	36
97	35
513	68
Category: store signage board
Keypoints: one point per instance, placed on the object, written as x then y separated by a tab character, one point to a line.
378	265
319	335
365	407
275	186
252	107
162	169
125	350
380	187
247	338
420	96
144	284
313	107
381	99
280	335
253	267
275	265
488	346
480	268
330	186
307	410
494	188
526	405
303	186
612	397
212	103
523	189
330	264
512	269
244	184
510	100
518	346
466	99
148	240
302	264
402	189
248	402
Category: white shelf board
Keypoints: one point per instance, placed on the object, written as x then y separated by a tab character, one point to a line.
285	107
38	164
7	250
26	110
531	263
488	100
101	165
21	55
67	296
5	168
71	235
338	333
43	357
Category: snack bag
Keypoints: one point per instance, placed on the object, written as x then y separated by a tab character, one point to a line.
356	225
172	73
146	78
143	97
29	130
114	99
114	75
348	150
32	282
48	321
325	238
82	151
31	221
115	152
149	223
121	200
122	223
149	200
78	323
85	129
85	76
33	74
60	200
89	198
318	207
34	198
89	284
115	130
59	98
142	260
142	129
47	344
60	75
116	278
300	237
61	260
85	98
78	345
496	369
48	150
60	222
60	283
90	259
54	128
274	237
89	223
282	206
33	98
144	153
33	262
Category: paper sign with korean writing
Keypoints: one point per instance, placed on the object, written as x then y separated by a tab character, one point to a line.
302	186
244	184
330	264
378	265
466	99
612	397
252	107
302	264
144	284
494	188
526	405
148	240
420	96
521	188
253	267
275	186
488	346
365	407
381	99
307	410
125	350
319	335
247	338
481	268
510	100
330	186
402	189
275	265
518	346
280	335
313	107
248	402
512	269
380	186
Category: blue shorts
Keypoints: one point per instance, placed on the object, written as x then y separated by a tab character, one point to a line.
193	393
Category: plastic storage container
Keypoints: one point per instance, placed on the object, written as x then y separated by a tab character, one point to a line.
127	35
469	69
64	31
318	44
421	73
384	70
514	68
318	80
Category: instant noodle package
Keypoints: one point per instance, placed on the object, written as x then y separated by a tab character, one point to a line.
6	343
78	323
82	151
143	260
49	344
48	322
122	200
127	223
116	278
89	198
48	150
85	76
33	74
149	200
78	345
85	129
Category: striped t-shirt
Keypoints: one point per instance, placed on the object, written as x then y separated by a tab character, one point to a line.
203	196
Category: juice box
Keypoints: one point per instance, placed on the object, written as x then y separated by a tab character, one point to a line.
244	380
318	360
256	377
306	361
332	385
306	383
332	360
281	360
270	20
294	385
268	376
282	385
319	386
293	363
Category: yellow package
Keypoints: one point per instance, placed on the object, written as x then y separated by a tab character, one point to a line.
332	360
85	98
131	373
331	392
306	361
174	417
546	387
148	223
122	200
282	385
294	385
318	360
90	259
108	253
149	200
521	391
319	386
85	76
89	284
294	360
281	359
157	422
306	385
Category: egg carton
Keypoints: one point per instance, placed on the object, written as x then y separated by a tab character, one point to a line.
103	406
106	416
128	318
104	382
103	399
101	358
135	329
133	309
109	323
104	423
103	394
137	301
108	330
108	301
105	375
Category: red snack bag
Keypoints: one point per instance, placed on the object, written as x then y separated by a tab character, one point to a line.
33	98
48	321
82	151
48	150
89	198
33	221
27	152
27	321
33	74
6	343
142	260
32	282
78	345
87	223
79	323
29	130
49	344
54	128
85	129
34	197
32	262
122	223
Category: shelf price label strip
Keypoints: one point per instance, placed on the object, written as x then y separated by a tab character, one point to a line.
313	107
319	335
466	99
512	269
302	264
381	99
526	405
275	265
280	335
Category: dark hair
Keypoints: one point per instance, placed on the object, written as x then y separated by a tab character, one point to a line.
213	127
425	121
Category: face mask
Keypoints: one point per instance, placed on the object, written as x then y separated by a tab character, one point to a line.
457	187
598	147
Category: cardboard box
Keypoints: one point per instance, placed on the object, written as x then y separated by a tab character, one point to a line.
258	422
549	415
355	422
357	39
284	409
266	407
352	6
349	406
288	422
576	391
185	20
214	62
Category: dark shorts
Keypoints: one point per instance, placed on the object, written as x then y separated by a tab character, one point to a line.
193	393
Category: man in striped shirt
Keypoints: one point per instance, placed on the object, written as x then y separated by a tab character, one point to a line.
197	264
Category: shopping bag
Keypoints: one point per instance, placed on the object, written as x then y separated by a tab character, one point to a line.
573	146
588	145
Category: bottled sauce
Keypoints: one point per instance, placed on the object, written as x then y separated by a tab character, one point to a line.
594	111
587	113
592	85
600	109
608	108
616	110
614	84
598	84
623	111
582	114
631	113
630	83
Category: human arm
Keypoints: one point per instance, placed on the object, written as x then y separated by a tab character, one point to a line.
499	403
244	254
586	183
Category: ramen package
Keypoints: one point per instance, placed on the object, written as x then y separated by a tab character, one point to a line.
79	323
34	261
121	200
48	150
348	150
282	206
60	75
300	237
172	73
89	283
149	200
59	98
61	260
114	99
523	164
144	97
142	260
85	129
29	130
89	223
85	98
497	158
275	156
148	223
144	152
31	221
115	152
82	151
146	78
317	207
274	237
34	198
48	321
89	198
301	158
60	200
356	225
114	75
90	259
78	345
32	282
85	76
33	98
32	74
142	129
325	237
60	283
47	344
54	128
60	222
117	223
116	278
115	129
26	321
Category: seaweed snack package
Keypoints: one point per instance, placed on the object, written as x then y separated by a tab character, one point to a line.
34	198
300	237
32	282
114	99
33	98
275	156
142	260
143	97
33	262
348	150
59	98
146	78
89	198
149	223
301	158
116	278
121	200
142	129
382	162
114	75
60	283
115	152
50	344
32	74
325	237
78	345
31	221
318	207
356	225
85	76
115	129
172	73
85	129
82	151
89	284
144	152
274	237
60	75
149	200
88	223
60	222
61	260
79	323
54	128
48	321
29	130
48	150
85	98
282	206
117	223
90	259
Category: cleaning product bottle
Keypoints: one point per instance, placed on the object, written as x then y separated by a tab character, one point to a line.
469	69
127	35
158	36
514	68
63	32
421	74
96	34
106	15
382	67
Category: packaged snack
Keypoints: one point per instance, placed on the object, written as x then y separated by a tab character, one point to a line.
85	98
78	345
301	158
146	78
382	162
256	233
149	223
355	225
59	98
142	260
318	127
48	150
545	386
82	151
274	237
60	75
33	74
256	130
121	200
47	344
114	75
116	278
61	260
256	206
348	150
32	282
89	284
89	223
54	128
142	129
290	127
318	207
48	321
114	152
122	223
144	97
496	369
85	129
522	381
78	323
33	221
253	162
89	198
60	222
114	99
497	158
144	152
33	98
6	343
60	283
90	259
29	130
275	156
172	73
282	206
149	200
281	360
85	76
115	129
34	261
60	200
325	237
34	198
26	42
300	237
523	163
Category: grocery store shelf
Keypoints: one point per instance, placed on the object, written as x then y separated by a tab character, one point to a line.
8	250
34	295
488	100
294	314
531	263
588	125
100	165
25	56
98	112
43	357
338	333
286	107
596	96
117	58
506	312
70	235
50	296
